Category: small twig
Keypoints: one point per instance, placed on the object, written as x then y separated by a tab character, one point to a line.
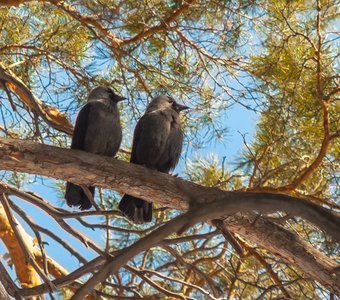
9	96
9	285
154	284
64	280
219	224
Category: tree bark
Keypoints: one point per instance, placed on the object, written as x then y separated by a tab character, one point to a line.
27	276
3	293
50	114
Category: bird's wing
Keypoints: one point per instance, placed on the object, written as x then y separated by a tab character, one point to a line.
80	127
150	138
174	147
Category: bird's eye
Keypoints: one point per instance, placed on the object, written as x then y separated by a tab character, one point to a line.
170	100
111	93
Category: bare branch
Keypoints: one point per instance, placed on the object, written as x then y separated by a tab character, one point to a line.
50	115
8	286
165	24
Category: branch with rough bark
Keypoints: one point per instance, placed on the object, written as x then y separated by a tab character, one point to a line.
26	272
84	168
51	115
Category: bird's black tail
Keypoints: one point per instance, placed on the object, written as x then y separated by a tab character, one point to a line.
75	196
137	210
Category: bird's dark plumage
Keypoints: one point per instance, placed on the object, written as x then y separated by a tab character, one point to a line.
97	130
157	144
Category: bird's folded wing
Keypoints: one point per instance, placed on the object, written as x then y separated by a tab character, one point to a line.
174	147
80	127
150	138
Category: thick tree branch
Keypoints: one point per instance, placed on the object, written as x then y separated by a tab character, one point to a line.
84	168
288	246
178	224
27	276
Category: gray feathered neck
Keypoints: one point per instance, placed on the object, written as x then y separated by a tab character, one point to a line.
99	92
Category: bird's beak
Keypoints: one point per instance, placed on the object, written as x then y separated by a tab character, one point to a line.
119	98
180	107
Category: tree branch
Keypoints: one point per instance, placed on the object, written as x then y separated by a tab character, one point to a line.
51	115
121	259
85	168
163	25
7	285
13	2
27	276
88	21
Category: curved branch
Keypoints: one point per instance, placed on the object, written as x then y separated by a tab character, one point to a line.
163	25
51	115
121	259
88	21
27	275
85	168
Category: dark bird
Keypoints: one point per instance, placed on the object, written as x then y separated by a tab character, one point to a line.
157	145
97	130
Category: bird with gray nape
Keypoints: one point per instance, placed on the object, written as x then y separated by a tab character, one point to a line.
97	130
157	145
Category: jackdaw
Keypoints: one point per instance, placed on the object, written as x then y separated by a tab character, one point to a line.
97	130
157	145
